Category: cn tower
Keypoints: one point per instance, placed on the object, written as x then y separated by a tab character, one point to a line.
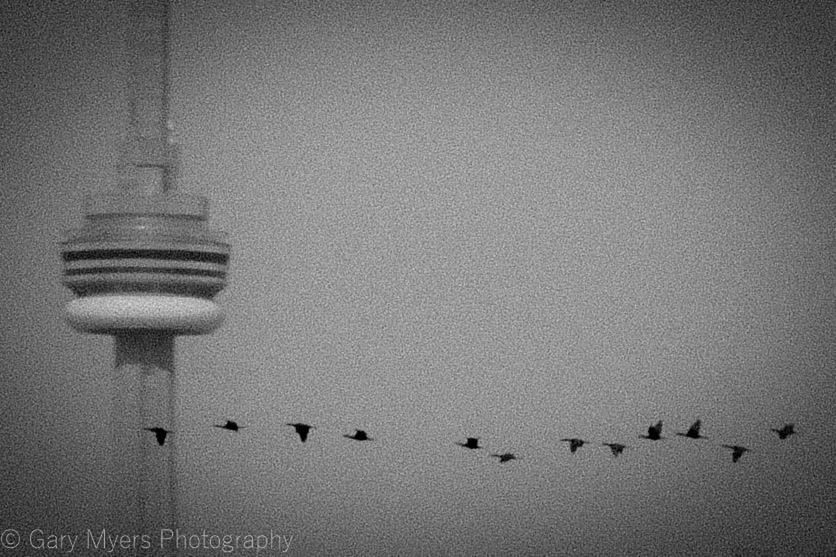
144	267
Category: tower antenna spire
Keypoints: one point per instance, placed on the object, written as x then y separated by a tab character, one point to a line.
150	155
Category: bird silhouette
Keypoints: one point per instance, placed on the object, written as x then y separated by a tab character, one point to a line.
693	431
785	431
230	425
616	448
302	430
737	451
359	435
654	432
505	457
574	443
160	433
472	443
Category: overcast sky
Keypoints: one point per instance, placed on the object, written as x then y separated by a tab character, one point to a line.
516	221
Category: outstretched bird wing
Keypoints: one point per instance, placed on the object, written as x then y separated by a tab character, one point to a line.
694	430
302	430
160	434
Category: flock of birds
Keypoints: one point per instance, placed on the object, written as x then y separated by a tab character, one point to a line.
654	433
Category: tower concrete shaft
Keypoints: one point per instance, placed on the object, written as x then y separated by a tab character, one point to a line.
143	481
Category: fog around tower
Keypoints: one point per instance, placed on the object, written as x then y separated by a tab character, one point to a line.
514	221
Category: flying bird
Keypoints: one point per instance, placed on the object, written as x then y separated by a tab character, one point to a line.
785	431
737	451
654	432
472	443
693	431
160	433
359	435
616	448
574	443
505	457
302	430
230	425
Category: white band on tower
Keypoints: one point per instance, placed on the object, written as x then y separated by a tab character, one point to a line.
109	314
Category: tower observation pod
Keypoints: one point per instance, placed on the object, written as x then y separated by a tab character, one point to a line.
144	268
145	262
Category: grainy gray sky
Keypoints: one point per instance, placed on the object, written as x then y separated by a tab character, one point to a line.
517	221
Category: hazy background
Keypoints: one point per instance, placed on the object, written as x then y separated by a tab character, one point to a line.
518	221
